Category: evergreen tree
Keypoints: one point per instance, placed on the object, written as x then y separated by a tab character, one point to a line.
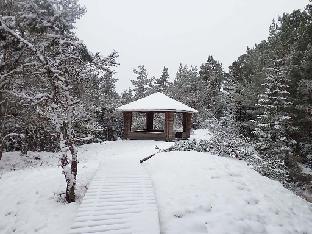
271	124
107	116
185	87
290	38
127	96
142	84
212	74
162	83
228	98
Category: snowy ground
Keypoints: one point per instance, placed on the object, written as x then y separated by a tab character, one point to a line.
30	187
203	193
196	192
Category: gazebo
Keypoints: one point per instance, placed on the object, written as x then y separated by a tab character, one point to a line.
157	103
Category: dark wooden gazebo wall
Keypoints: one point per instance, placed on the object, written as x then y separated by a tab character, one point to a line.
149	133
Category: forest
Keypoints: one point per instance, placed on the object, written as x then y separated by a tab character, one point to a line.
55	94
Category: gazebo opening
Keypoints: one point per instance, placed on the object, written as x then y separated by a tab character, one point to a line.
153	117
148	121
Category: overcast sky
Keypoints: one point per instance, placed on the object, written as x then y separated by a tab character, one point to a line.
167	32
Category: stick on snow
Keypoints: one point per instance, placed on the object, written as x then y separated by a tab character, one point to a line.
152	155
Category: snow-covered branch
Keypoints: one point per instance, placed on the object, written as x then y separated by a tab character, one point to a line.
12	135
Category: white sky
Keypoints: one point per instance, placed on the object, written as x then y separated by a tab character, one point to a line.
167	32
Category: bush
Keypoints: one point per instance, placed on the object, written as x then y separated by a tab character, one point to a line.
227	142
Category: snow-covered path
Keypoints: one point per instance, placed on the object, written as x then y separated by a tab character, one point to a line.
120	198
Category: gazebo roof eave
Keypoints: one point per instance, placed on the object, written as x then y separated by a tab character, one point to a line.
157	110
156	102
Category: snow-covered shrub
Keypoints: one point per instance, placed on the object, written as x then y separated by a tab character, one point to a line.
191	145
226	142
215	146
238	149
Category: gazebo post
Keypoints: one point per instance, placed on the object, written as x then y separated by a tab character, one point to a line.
127	116
187	124
149	121
169	118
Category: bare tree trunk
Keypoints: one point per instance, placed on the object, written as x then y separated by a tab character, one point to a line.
69	166
1	123
110	133
1	138
25	141
70	191
1	149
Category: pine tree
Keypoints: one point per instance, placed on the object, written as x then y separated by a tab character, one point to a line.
107	116
127	96
211	74
271	124
142	84
228	98
162	83
185	87
55	58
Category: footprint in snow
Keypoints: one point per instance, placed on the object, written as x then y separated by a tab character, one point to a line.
234	174
243	188
252	201
179	216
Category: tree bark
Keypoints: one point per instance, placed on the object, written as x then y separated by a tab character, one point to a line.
1	149
69	168
110	133
25	140
74	163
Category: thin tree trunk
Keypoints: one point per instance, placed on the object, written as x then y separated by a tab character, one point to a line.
1	124
1	149
69	166
25	141
71	196
110	134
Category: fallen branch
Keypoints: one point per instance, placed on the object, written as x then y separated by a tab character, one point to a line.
152	155
148	157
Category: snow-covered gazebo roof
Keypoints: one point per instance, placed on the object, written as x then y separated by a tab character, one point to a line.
156	102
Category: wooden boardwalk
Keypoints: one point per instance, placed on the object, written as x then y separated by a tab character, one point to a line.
120	200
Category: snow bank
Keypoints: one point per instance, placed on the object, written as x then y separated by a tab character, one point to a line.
28	205
12	161
30	191
202	193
